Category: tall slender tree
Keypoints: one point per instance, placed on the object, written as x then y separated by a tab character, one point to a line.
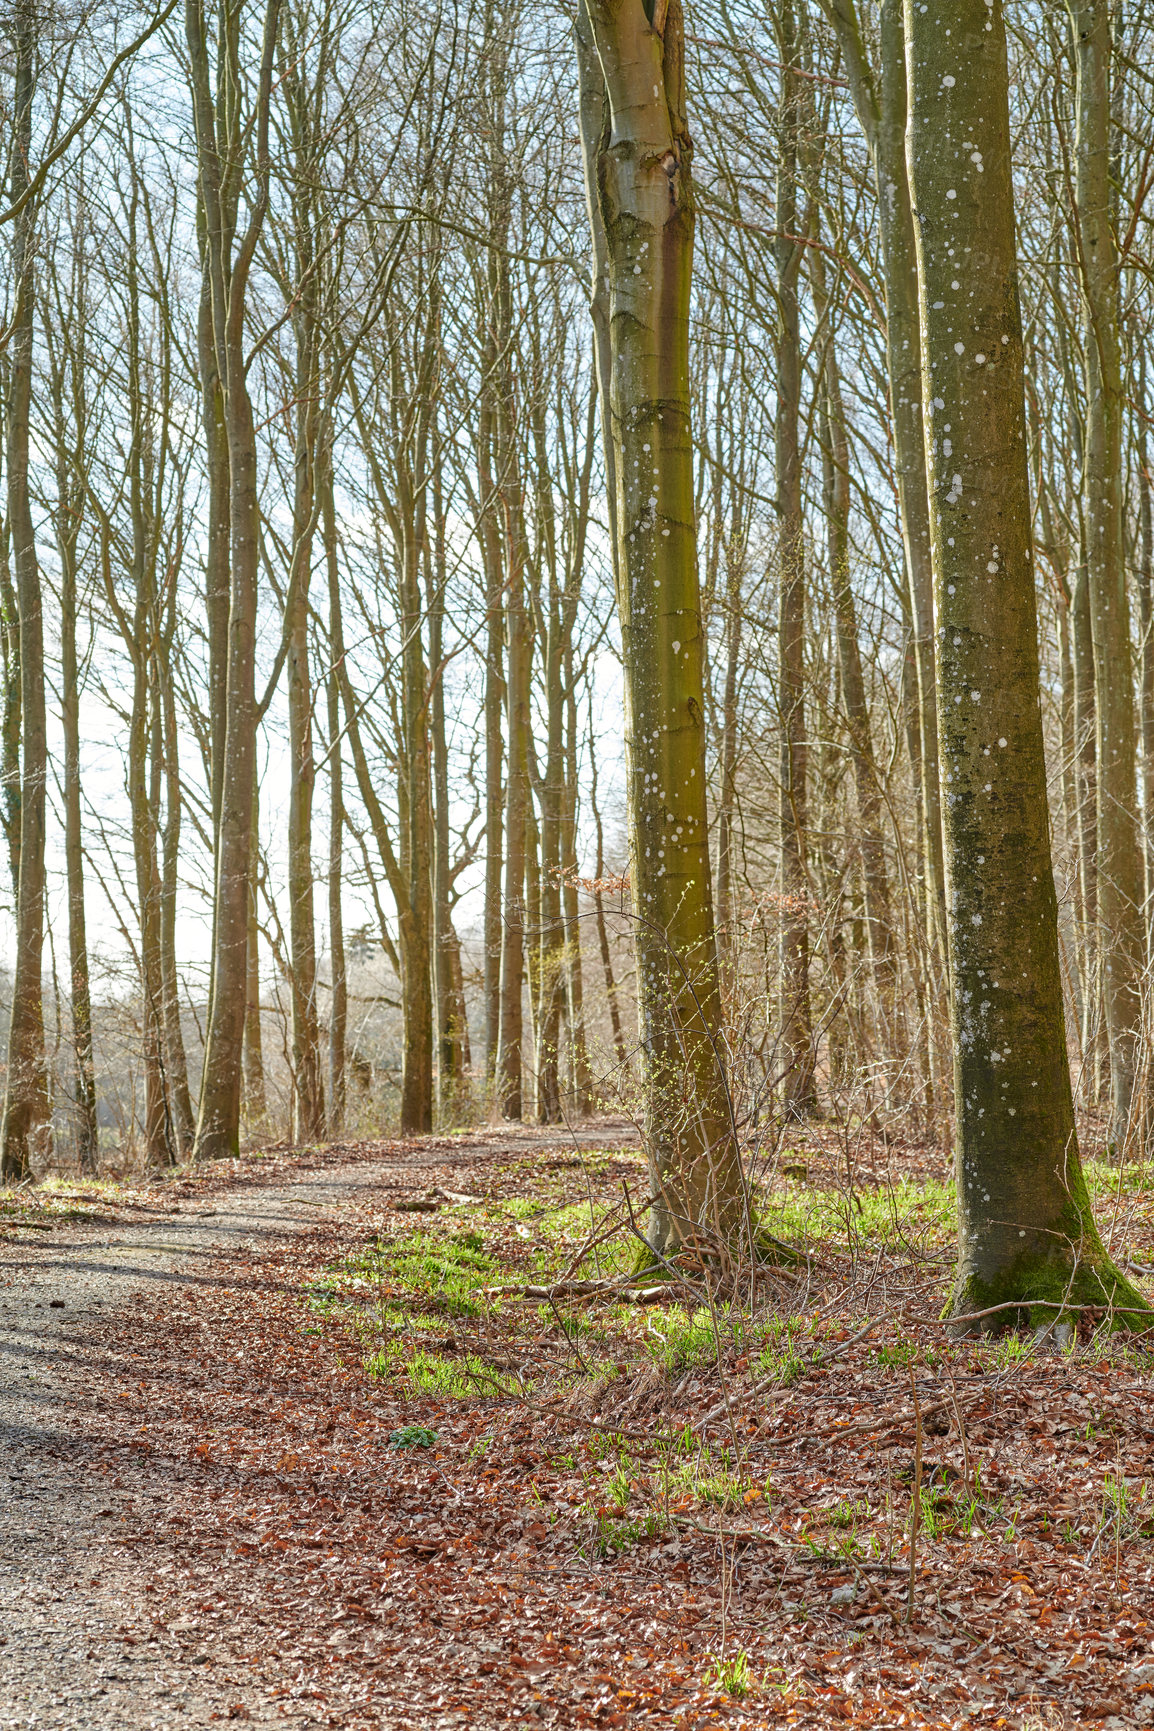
26	1132
798	1056
228	142
1119	863
640	190
880	102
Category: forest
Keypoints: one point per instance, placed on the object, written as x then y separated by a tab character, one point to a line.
577	789
354	779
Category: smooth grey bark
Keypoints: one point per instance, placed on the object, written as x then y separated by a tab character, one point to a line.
1026	1231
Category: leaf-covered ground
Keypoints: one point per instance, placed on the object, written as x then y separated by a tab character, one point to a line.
399	1488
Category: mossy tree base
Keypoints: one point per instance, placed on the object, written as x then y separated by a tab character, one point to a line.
654	1262
1036	1291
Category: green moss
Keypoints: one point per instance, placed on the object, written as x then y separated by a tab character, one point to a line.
1044	1288
773	1252
648	1268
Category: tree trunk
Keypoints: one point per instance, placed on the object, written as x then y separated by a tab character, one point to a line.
255	1097
493	363
881	109
1119	855
637	171
308	1120
796	1058
338	976
1086	783
450	1005
218	1130
176	1061
875	878
308	1087
727	771
494	743
69	499
158	1146
10	710
416	913
1145	587
602	927
582	1099
26	1133
1025	1227
509	1085
145	739
549	926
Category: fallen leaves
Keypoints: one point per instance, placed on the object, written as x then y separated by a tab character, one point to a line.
460	1568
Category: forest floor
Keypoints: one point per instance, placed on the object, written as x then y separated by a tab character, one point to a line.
289	1442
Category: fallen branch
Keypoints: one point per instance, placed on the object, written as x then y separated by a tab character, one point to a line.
1057	1304
625	1287
873	1426
759	1536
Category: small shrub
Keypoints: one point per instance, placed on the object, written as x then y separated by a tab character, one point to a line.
413	1436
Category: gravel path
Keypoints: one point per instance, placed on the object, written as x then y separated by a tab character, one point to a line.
76	1650
74	1653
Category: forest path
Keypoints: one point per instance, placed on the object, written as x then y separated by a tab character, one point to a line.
77	1647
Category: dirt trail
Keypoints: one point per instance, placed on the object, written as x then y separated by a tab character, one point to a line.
75	1650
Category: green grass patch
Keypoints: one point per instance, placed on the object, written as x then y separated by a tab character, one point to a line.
465	1378
731	1676
909	1209
680	1340
613	1534
425	1267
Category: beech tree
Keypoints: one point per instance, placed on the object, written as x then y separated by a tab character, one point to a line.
638	172
27	1124
226	135
1026	1233
1118	863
